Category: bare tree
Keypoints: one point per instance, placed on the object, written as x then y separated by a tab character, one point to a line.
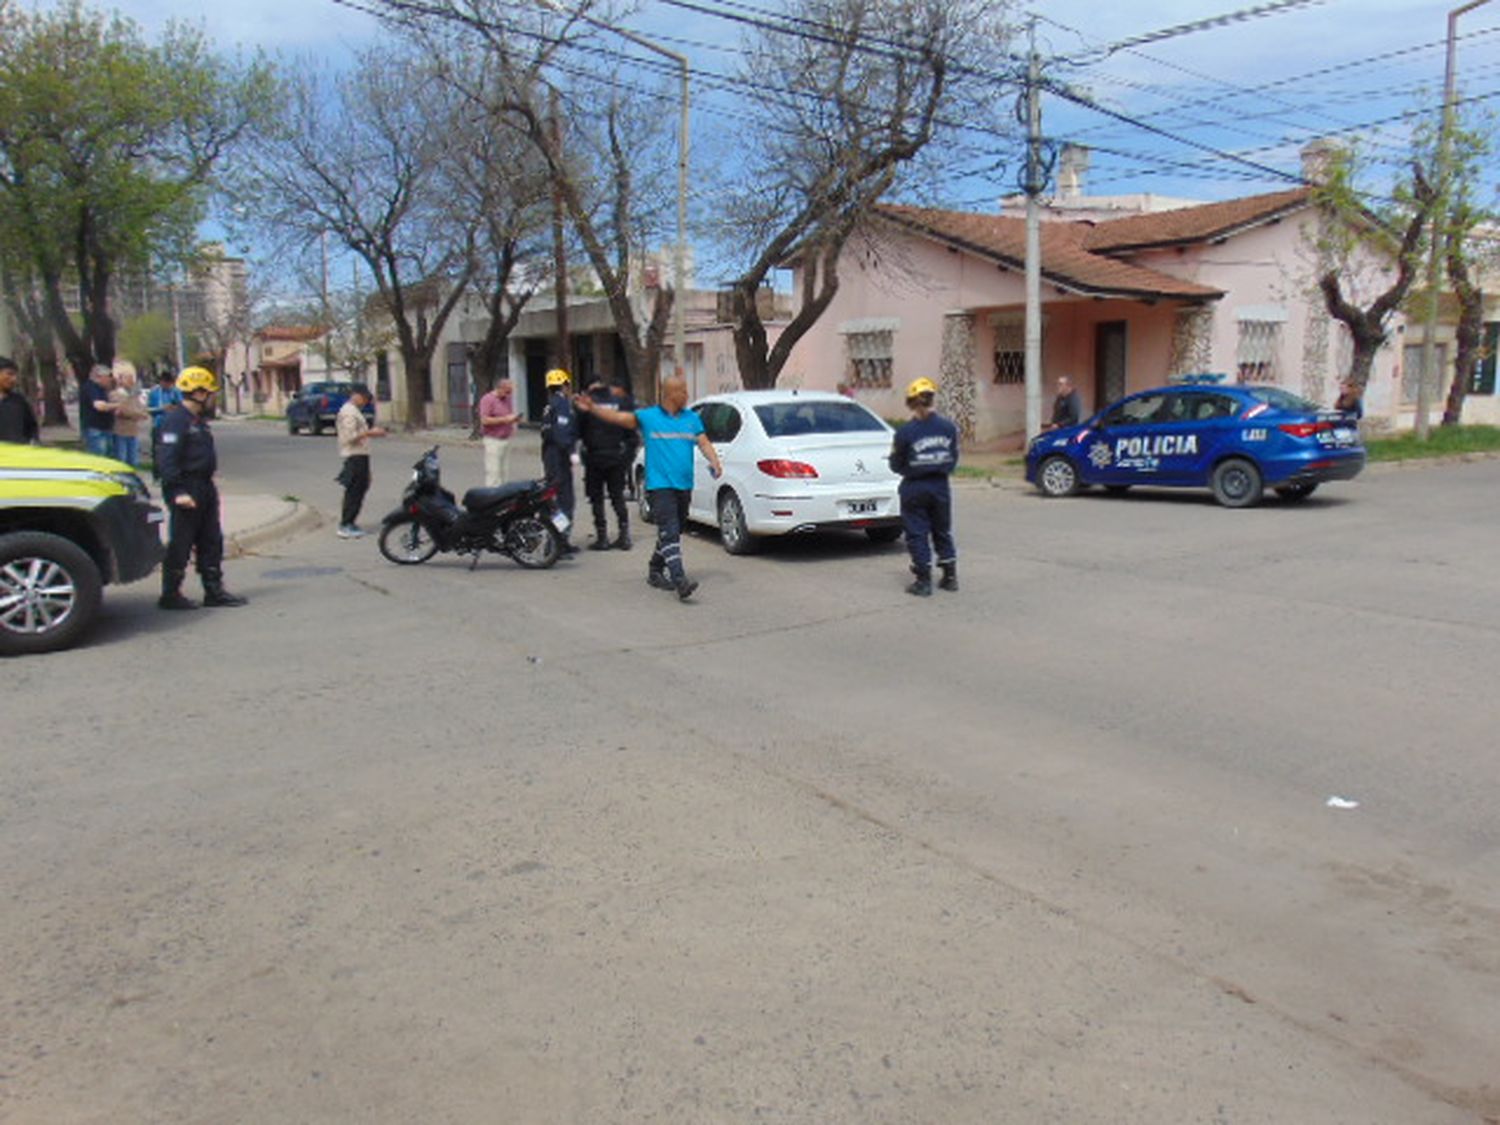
1462	253
367	160
602	150
857	87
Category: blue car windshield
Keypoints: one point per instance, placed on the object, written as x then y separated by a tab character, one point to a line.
1278	399
791	419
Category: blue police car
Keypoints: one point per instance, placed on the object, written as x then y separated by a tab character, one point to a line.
1236	440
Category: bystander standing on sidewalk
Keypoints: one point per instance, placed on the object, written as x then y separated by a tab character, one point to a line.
17	419
159	400
130	412
96	414
497	424
354	434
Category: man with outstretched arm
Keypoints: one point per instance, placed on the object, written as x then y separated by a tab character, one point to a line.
670	432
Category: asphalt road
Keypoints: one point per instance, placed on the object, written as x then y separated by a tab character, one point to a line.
426	844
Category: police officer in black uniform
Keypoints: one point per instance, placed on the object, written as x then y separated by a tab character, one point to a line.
188	462
607	451
925	453
559	437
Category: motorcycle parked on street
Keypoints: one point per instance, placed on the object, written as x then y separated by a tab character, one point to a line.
518	520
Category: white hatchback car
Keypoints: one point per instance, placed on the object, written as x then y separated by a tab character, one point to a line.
794	461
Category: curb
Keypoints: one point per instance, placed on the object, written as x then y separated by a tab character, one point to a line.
302	517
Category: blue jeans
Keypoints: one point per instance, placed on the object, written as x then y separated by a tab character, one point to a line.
100	442
128	449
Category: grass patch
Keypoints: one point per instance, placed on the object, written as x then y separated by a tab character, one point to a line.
983	472
1442	441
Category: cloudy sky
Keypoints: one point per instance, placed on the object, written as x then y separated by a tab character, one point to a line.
1257	87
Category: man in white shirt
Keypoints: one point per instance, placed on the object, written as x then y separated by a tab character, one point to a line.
354	434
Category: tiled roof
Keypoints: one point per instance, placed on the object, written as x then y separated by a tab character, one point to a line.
298	333
1066	261
1192	224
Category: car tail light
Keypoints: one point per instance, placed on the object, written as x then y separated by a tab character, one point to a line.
1304	429
784	469
322	402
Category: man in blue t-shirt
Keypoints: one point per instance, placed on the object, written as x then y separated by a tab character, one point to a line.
670	432
925	453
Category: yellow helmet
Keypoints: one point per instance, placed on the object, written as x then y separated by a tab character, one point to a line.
557	377
196	379
920	387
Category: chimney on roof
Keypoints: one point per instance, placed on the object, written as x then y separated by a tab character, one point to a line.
1319	156
1072	163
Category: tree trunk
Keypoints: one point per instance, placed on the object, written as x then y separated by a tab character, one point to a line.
1469	334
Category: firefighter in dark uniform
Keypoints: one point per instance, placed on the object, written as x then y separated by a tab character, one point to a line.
925	453
559	437
188	463
607	452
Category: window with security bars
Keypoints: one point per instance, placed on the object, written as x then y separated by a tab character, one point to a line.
870	358
1258	356
1010	352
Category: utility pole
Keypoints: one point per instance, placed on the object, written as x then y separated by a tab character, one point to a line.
1034	185
1426	381
327	312
559	248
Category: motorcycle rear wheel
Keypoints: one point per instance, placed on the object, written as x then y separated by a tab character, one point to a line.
407	543
532	543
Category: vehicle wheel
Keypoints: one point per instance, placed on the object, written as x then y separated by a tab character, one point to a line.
883	534
315	426
1117	489
645	498
407	542
1236	483
1057	477
532	543
1292	493
732	530
49	592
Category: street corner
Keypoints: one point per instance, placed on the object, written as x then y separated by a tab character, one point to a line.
252	522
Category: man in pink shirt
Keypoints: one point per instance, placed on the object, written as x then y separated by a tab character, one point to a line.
497	422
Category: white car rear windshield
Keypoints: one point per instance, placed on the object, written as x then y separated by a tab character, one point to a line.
791	419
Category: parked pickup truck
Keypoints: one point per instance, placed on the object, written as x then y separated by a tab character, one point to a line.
317	404
70	524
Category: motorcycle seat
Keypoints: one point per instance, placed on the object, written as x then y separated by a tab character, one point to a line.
483	499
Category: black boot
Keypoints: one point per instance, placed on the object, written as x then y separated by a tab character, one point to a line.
601	540
950	576
659	579
214	593
171	592
622	541
922	587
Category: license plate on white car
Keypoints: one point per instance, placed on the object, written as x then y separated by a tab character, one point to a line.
560	522
863	507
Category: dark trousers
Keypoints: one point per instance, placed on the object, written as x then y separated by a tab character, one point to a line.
598	478
927	519
195	531
669	509
557	467
356	478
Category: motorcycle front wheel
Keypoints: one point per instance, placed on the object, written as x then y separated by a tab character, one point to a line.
407	542
532	543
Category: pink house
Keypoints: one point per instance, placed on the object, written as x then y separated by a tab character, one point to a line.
1127	303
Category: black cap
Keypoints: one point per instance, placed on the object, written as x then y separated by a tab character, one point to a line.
361	389
7	363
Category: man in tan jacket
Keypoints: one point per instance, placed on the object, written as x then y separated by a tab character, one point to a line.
354	434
